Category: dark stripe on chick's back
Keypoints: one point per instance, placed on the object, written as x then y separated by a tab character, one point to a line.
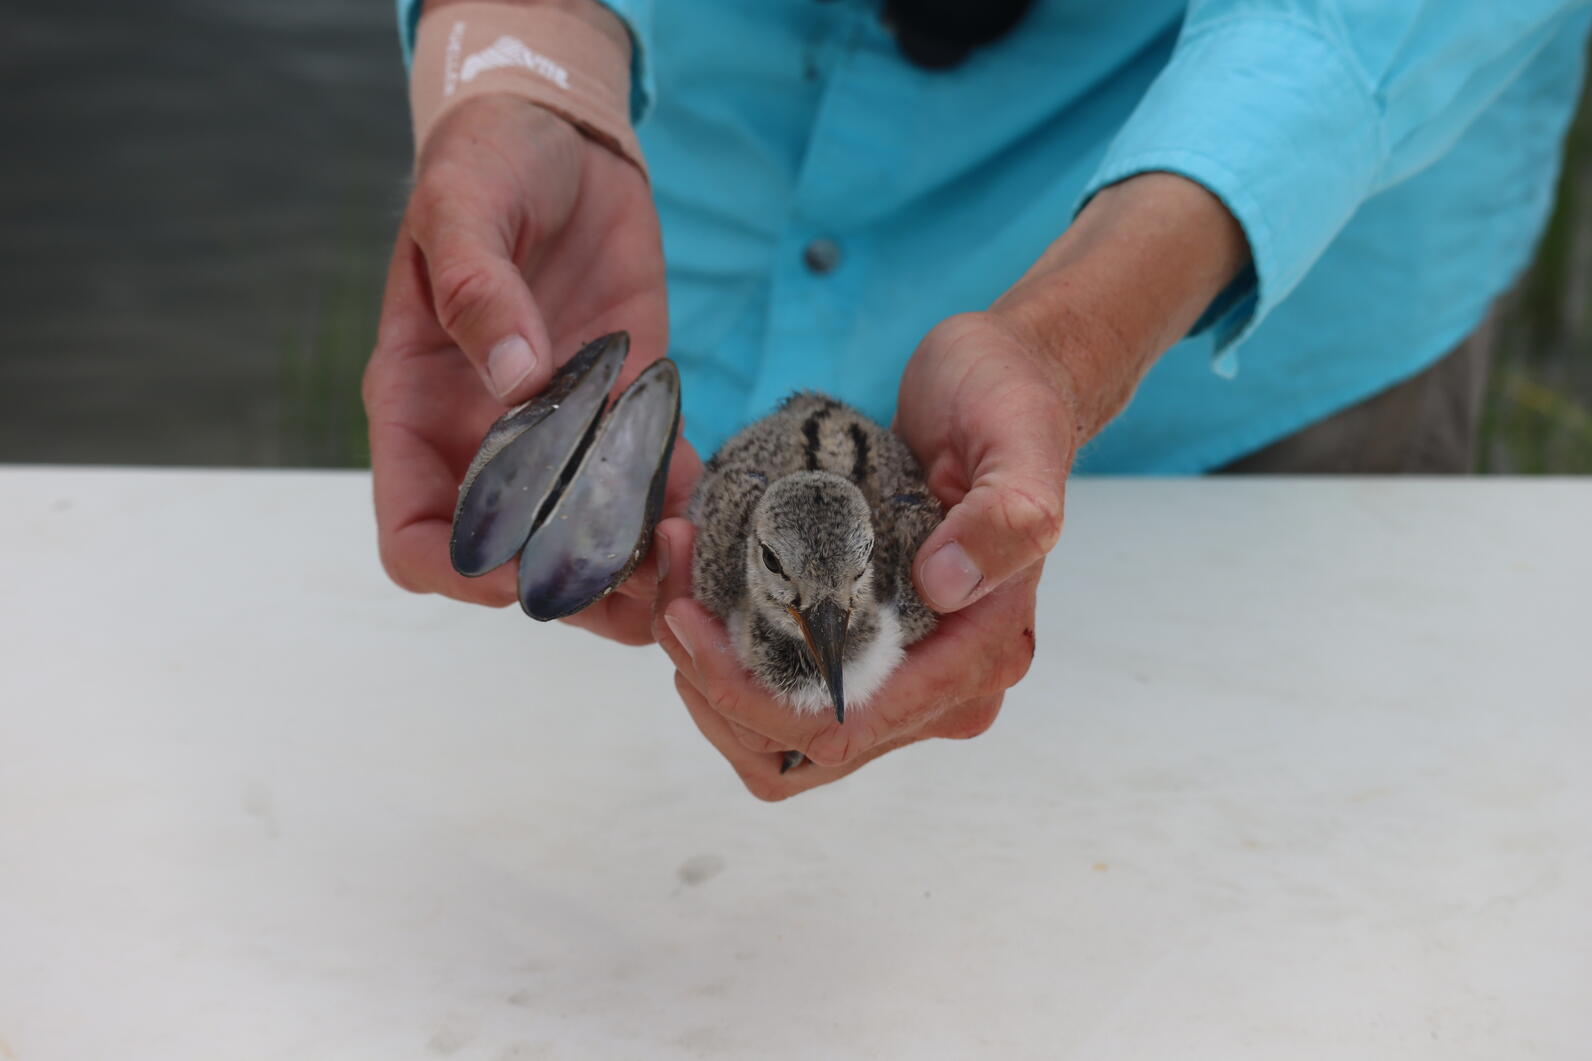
859	461
810	429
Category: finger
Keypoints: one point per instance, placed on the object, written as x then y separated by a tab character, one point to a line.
750	739
754	742
414	488
406	321
691	634
760	771
972	655
699	646
966	721
415	556
685	471
477	291
1016	444
627	620
672	541
999	528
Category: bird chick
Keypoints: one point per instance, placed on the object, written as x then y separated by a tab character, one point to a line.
811	628
807	524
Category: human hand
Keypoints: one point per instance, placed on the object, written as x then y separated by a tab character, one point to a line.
522	240
994	421
995	406
991	418
950	685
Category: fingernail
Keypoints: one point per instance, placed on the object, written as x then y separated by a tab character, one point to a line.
508	364
950	577
660	543
678	636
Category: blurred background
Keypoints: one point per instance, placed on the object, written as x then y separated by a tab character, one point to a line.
193	238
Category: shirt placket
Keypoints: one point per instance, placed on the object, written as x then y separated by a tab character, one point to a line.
847	178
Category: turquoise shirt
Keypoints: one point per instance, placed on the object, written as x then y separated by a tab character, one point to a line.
824	203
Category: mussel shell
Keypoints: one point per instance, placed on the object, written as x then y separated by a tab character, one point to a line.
601	526
524	456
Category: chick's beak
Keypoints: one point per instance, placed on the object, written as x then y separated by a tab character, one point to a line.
824	627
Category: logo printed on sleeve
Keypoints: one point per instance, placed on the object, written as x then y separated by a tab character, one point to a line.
506	51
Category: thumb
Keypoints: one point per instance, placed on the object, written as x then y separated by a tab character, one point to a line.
1006	522
483	303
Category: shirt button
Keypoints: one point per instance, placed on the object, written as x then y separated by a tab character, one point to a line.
821	256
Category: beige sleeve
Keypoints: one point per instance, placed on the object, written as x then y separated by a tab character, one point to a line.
552	58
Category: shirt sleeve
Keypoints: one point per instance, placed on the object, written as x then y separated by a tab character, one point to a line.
1293	112
635	14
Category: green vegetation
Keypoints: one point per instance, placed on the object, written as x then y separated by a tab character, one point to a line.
1539	407
322	420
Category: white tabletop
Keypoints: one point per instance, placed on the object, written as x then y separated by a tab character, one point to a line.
1303	770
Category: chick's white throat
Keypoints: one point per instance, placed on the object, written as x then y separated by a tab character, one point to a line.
863	676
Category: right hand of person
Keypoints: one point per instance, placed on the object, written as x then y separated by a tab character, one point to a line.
522	241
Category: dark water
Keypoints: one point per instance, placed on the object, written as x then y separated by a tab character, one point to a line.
196	200
195	203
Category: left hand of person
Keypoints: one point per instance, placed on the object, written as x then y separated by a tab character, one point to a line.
518	225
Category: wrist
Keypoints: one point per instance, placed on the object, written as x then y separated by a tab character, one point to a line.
501	118
1130	276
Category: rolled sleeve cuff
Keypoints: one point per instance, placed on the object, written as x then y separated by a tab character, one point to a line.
1276	122
635	14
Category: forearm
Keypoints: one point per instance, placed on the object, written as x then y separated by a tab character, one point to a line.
1126	280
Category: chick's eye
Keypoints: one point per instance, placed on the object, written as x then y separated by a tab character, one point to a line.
771	562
